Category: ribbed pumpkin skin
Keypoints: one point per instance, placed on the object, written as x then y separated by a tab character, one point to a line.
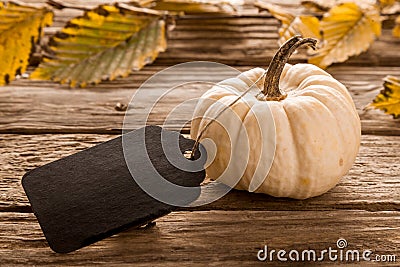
317	133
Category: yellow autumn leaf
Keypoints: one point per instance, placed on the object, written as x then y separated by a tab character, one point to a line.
307	26
20	27
396	29
388	99
348	30
107	42
193	6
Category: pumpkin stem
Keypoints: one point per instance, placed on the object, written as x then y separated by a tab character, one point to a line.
271	84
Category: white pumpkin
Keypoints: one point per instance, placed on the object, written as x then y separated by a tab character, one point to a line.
316	134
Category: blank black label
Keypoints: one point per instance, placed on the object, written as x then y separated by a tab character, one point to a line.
88	196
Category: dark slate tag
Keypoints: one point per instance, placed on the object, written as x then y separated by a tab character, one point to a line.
88	196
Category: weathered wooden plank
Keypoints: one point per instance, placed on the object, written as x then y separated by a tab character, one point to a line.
372	183
257	49
252	45
38	107
199	239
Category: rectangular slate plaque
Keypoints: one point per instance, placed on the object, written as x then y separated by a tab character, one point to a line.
88	196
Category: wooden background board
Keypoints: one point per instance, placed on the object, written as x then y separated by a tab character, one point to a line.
200	238
372	184
30	107
43	121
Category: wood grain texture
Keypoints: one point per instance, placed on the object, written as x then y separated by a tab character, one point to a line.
199	238
372	183
43	107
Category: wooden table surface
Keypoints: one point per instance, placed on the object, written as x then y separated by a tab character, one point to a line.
43	121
